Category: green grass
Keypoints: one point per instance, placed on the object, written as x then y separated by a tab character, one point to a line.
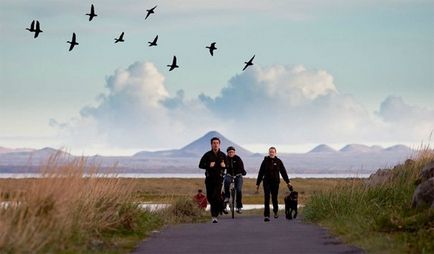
378	218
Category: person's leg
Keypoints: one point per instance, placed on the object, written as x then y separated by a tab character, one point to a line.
266	186
274	189
218	196
227	183
238	188
210	194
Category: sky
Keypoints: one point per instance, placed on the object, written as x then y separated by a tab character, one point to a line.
325	72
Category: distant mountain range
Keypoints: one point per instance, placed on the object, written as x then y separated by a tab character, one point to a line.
321	159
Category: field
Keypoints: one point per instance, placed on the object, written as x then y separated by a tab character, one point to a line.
162	189
64	212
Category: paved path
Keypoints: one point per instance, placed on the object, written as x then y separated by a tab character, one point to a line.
245	234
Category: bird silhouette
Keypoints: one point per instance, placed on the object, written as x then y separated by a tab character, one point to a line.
37	30
211	48
173	65
32	27
92	13
73	42
154	42
250	62
120	39
150	11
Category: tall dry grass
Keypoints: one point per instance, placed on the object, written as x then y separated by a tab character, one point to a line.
70	210
379	217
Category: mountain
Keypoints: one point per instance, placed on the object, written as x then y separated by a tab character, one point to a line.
356	148
198	147
399	149
322	149
14	150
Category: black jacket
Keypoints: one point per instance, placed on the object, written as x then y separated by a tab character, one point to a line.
235	166
216	171
270	169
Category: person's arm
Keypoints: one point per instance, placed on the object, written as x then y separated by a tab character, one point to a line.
284	173
241	165
260	174
204	164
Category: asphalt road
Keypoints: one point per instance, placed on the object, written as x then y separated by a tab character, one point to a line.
244	234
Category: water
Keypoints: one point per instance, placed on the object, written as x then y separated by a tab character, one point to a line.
157	175
156	207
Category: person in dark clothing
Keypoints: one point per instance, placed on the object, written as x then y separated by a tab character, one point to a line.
213	162
234	167
269	173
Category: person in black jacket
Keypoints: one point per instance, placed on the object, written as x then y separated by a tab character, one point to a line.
213	162
234	167
269	173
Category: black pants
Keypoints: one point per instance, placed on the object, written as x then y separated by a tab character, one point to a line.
214	194
273	189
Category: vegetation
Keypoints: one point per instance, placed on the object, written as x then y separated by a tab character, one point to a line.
68	211
65	212
379	217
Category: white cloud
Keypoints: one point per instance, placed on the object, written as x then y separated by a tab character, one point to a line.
270	105
406	121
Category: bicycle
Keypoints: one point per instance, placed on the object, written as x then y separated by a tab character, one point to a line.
233	196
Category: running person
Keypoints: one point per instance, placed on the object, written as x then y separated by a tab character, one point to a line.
213	162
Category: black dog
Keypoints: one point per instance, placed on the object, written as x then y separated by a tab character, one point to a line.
291	202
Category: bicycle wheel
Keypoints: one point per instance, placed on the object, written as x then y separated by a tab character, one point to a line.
232	202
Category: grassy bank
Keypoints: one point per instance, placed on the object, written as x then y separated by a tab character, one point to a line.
378	218
66	213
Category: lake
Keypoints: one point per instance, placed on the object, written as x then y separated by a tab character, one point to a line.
157	175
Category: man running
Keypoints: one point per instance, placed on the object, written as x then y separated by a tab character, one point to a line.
213	162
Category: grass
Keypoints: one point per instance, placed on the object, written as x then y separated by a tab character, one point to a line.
64	212
378	218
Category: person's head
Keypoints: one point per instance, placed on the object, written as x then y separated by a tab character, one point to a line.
231	151
215	144
272	152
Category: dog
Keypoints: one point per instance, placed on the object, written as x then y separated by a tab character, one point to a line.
291	202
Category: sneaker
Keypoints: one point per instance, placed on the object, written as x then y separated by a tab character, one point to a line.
214	220
276	215
266	219
239	210
226	200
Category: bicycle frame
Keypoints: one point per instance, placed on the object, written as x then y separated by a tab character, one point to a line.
233	196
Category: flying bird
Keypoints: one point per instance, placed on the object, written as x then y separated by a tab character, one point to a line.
173	65
154	42
32	27
250	62
37	29
150	11
73	42
211	48
120	39
92	13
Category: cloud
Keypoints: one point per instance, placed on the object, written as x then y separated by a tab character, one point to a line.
287	104
268	105
404	120
136	111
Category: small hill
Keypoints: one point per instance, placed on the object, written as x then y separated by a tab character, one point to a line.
14	150
322	149
399	149
356	148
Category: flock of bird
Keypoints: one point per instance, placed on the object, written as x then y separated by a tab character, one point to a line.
35	28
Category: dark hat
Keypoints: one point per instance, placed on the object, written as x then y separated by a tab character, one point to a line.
230	148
